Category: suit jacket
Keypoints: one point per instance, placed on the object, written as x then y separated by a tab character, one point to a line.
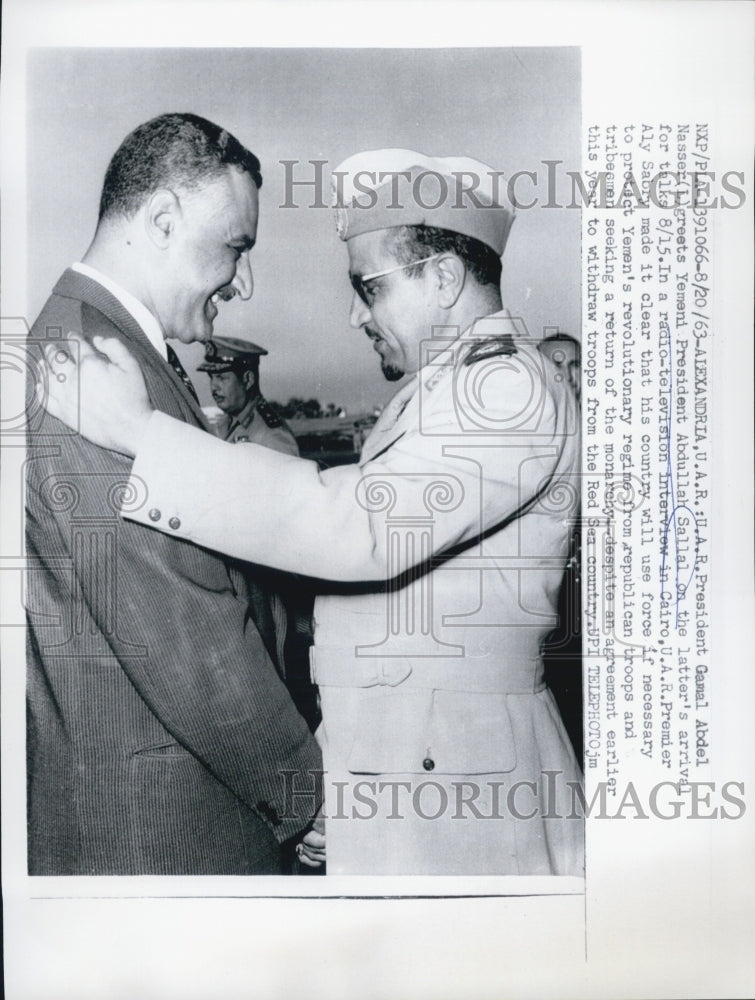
160	737
450	539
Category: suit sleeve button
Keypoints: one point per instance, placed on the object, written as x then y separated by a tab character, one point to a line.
154	514
428	763
174	523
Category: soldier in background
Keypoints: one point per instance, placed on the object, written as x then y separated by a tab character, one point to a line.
234	369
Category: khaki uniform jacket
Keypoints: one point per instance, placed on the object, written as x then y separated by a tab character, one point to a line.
446	546
258	423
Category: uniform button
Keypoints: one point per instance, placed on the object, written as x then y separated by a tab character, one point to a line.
428	763
174	523
154	514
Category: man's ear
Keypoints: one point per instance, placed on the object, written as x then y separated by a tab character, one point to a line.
452	275
248	379
161	214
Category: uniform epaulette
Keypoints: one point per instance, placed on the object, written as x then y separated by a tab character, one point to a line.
269	414
492	347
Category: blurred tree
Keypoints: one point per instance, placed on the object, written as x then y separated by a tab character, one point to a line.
300	409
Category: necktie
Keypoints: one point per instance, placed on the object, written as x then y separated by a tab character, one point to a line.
178	368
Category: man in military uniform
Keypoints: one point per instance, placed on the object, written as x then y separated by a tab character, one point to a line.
443	748
234	369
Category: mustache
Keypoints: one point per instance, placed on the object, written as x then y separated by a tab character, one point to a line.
372	334
226	293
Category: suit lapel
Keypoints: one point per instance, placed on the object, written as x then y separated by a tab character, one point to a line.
166	390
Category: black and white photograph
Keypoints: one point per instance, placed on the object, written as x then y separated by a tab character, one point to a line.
363	438
165	736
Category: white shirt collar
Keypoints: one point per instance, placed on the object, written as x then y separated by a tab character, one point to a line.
146	320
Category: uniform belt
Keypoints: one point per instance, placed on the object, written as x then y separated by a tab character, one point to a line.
502	674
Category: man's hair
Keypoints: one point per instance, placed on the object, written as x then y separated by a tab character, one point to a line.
173	150
415	242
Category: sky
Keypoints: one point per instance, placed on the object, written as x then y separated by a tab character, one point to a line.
512	109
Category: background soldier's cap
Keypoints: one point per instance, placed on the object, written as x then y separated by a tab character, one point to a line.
382	188
222	354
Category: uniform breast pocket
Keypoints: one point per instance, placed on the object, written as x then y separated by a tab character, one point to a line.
441	732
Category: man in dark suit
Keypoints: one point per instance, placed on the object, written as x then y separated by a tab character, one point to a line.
160	737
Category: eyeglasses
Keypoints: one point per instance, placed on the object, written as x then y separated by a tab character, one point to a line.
359	281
